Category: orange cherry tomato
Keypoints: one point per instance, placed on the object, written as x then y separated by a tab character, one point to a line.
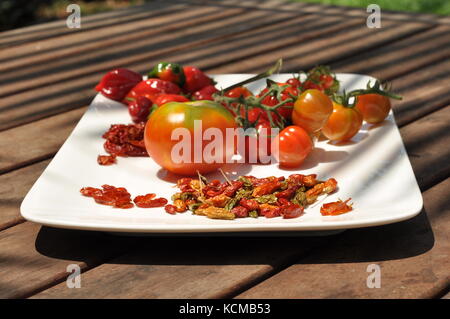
291	146
343	123
374	107
311	110
163	122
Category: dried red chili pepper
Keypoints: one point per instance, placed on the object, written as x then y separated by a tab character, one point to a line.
267	188
117	83
240	211
171	209
291	211
250	204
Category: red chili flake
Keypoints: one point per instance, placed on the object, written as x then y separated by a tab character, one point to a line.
125	140
230	190
267	188
250	204
287	193
109	195
149	200
336	208
240	211
270	211
106	159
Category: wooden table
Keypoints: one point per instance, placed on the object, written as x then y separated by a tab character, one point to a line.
47	75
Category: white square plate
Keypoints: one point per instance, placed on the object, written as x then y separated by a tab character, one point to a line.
373	169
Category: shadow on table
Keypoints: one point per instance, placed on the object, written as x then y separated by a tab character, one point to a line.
401	240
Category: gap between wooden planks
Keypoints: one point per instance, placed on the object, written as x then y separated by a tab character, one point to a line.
24	245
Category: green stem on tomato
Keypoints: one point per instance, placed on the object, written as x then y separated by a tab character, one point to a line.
274	69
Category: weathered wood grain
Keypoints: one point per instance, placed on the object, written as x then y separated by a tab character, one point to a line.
32	258
69	94
390	61
209	267
412	255
30	55
426	141
36	141
42	31
324	9
339	45
13	188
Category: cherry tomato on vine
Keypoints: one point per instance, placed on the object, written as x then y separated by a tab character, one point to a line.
205	93
311	110
239	91
176	153
296	83
117	83
374	107
166	98
326	81
195	79
291	146
286	110
310	85
171	72
343	123
151	88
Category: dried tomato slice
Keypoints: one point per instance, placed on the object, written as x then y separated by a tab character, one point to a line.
109	195
125	140
106	159
336	208
149	200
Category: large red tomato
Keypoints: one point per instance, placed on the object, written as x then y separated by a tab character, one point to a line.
172	128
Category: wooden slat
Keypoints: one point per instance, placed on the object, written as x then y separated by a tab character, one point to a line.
274	38
324	9
155	23
38	103
32	258
152	43
413	259
36	141
13	188
335	47
186	268
102	20
426	141
424	92
400	57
